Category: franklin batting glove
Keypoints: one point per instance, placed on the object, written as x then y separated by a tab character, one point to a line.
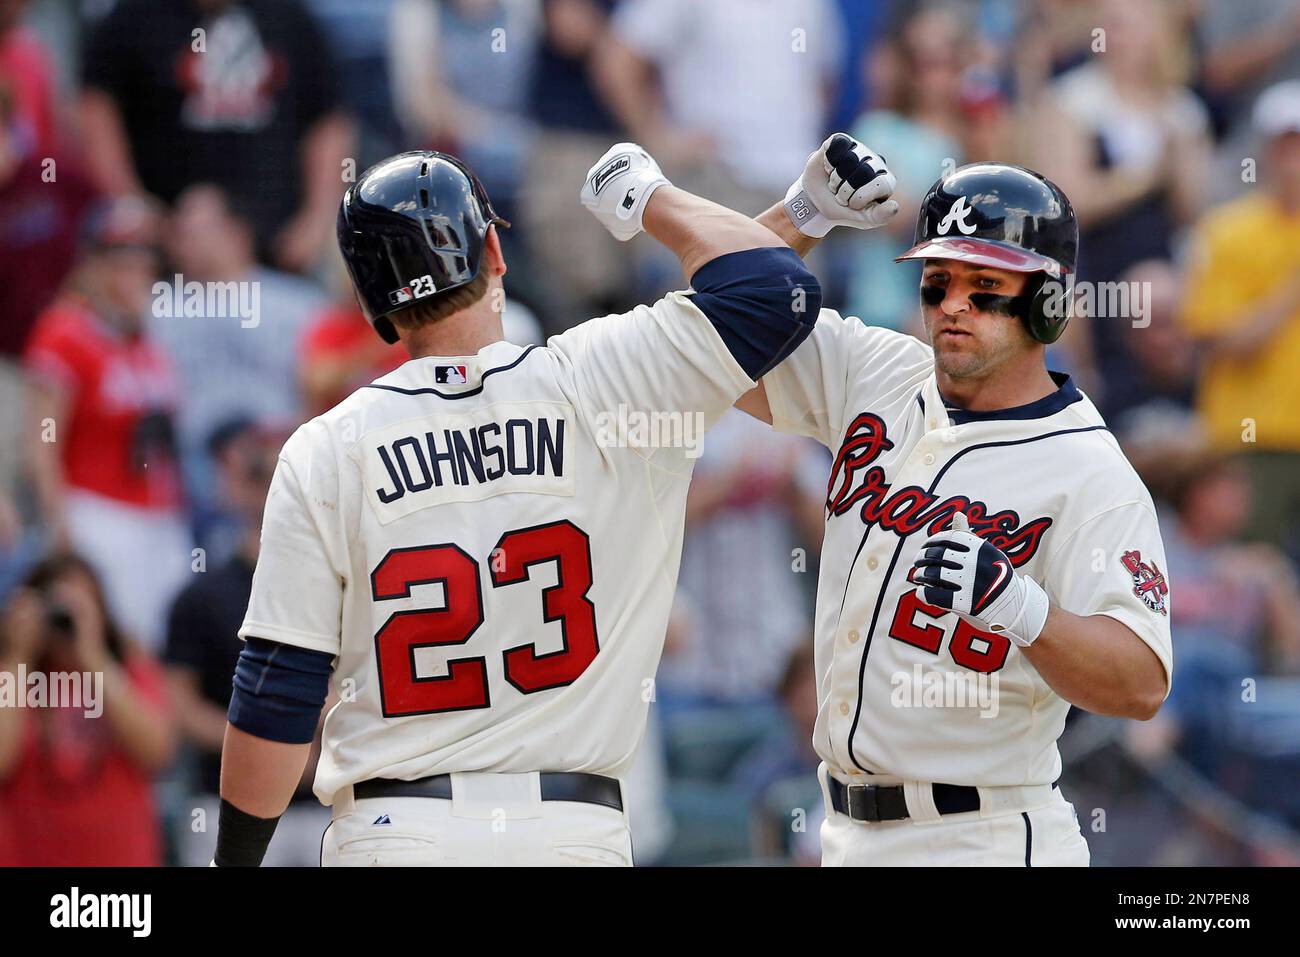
618	187
962	572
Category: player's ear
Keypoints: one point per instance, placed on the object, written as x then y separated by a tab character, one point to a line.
494	259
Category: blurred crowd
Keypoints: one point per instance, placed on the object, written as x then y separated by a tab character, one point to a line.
172	307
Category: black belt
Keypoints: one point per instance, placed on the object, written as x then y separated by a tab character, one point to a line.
556	786
875	802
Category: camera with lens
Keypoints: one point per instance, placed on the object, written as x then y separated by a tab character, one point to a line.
58	620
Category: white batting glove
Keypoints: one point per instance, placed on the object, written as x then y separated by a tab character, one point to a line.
618	187
843	184
960	571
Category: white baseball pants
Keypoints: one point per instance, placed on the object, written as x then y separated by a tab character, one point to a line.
491	820
1016	827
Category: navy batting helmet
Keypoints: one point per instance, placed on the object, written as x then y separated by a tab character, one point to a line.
1008	217
412	227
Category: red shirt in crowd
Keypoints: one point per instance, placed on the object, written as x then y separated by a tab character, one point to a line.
343	333
121	392
40	224
74	799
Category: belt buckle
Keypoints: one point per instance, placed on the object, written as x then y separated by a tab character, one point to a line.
860	802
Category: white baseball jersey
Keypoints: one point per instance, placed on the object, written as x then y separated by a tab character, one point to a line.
910	691
493	562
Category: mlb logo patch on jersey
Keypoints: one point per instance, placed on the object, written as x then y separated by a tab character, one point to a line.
399	296
1148	581
450	375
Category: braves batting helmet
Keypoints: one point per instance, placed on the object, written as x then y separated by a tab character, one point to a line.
412	227
1008	217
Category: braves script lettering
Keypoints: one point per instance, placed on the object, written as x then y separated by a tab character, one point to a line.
856	481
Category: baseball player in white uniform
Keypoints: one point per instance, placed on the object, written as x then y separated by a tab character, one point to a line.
990	556
481	564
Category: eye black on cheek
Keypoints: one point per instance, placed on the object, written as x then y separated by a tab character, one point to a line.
932	295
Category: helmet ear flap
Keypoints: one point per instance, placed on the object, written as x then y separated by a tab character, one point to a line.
1051	305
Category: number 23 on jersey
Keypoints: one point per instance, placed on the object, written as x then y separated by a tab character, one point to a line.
465	685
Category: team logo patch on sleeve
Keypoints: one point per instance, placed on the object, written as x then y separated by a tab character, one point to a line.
1148	581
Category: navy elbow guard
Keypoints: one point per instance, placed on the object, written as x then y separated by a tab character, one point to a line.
279	691
763	302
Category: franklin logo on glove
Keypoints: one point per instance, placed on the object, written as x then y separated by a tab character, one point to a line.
619	164
637	176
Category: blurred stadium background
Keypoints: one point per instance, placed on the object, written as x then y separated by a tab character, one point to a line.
171	141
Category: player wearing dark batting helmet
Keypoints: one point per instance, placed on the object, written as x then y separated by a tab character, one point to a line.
990	556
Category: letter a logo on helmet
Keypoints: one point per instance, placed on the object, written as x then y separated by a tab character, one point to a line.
957	214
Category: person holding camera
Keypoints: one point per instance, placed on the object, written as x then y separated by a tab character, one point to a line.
83	728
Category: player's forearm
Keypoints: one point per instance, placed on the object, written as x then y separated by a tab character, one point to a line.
1098	664
775	219
259	776
698	231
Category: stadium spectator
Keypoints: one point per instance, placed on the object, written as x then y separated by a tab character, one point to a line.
40	221
785	763
461	71
75	775
358	35
231	328
1159	358
100	428
250	103
1131	147
1242	304
1249	45
573	125
202	649
728	96
918	126
1235	610
1053	37
861	25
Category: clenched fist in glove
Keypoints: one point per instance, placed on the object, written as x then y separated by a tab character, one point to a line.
958	570
618	187
843	184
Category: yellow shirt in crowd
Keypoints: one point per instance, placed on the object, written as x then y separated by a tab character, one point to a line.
1241	253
